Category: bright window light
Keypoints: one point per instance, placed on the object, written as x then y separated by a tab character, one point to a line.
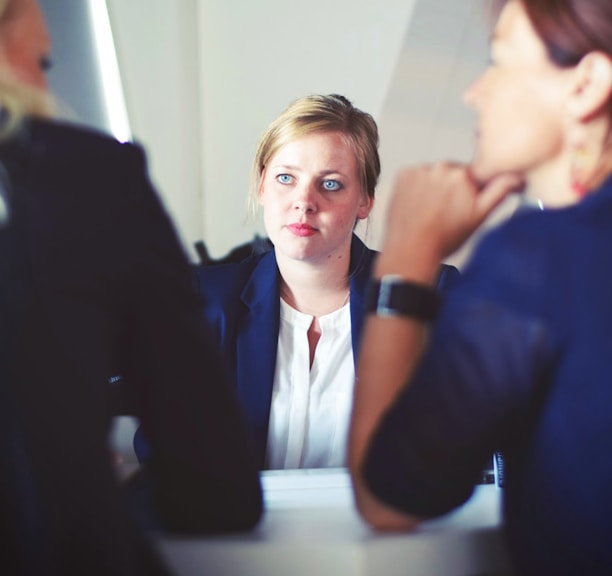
114	99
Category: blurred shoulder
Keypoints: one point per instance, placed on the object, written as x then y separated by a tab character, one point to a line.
515	262
75	159
67	143
521	239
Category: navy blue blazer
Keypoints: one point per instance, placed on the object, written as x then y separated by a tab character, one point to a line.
93	282
242	303
518	360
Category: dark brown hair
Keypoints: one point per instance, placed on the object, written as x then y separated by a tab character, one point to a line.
570	29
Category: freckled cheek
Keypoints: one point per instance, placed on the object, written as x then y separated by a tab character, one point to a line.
344	222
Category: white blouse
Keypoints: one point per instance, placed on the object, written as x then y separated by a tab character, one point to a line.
311	407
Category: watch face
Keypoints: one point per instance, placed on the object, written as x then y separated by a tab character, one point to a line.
393	296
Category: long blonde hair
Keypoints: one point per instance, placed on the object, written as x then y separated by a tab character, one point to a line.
17	99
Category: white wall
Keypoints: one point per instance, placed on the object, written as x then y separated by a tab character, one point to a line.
424	118
258	56
203	78
156	43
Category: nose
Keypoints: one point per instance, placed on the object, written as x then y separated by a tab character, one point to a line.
305	197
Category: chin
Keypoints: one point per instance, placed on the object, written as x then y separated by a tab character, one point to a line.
479	169
483	172
294	252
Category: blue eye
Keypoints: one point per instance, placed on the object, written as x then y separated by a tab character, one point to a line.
285	178
331	185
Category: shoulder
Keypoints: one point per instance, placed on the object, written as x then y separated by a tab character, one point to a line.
522	243
225	282
514	263
62	137
59	147
362	257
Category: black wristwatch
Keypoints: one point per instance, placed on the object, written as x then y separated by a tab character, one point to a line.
394	296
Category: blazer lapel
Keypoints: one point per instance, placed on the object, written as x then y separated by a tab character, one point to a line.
361	263
256	345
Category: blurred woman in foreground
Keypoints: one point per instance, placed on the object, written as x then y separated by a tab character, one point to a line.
518	356
93	281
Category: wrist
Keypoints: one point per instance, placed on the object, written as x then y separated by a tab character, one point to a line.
392	295
410	266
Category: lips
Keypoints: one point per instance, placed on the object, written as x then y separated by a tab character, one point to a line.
301	230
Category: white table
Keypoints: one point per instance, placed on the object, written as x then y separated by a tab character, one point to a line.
311	528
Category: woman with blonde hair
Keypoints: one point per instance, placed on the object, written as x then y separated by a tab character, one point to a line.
93	281
518	356
289	321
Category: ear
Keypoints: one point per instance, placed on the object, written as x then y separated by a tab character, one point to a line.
592	87
365	206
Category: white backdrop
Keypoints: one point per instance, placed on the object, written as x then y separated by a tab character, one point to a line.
203	78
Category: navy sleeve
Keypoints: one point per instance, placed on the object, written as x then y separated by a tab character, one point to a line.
475	377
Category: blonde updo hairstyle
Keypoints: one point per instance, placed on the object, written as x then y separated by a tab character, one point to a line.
316	114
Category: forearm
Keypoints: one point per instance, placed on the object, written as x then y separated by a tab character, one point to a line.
390	348
433	210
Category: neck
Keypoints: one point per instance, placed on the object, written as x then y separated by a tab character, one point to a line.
314	289
551	183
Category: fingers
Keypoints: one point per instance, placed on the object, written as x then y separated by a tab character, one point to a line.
441	205
495	191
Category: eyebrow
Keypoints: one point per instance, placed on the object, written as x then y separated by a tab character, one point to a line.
297	169
284	167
